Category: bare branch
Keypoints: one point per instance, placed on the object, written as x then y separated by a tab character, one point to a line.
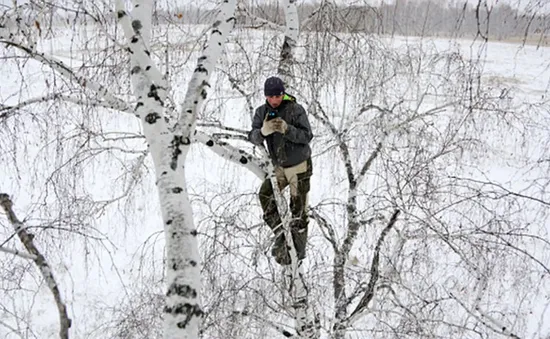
259	21
374	268
18	253
507	191
325	225
6	111
368	163
487	320
64	70
41	262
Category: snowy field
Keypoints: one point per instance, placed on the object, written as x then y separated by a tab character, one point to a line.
80	176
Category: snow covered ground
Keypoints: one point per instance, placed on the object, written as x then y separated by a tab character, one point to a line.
108	255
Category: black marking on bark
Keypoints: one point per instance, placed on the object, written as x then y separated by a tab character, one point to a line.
121	14
147	68
164	173
287	334
135	69
169	222
202	69
241	151
177	190
151	118
189	111
184	291
153	93
194	233
192	263
210	143
195	102
217	31
148	53
203	93
129	50
217	23
187	309
202	58
136	25
134	39
175	144
138	105
243	160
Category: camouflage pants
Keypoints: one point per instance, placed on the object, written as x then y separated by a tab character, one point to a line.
297	178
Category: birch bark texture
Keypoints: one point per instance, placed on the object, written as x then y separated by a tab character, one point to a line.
169	147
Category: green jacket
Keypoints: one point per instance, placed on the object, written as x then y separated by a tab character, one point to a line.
287	149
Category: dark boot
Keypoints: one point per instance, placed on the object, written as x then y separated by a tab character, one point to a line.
280	250
298	228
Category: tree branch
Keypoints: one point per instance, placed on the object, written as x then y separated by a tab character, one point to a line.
197	88
487	320
238	156
58	66
7	110
40	261
18	253
374	268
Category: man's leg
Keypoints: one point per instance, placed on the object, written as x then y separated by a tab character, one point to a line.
299	181
272	217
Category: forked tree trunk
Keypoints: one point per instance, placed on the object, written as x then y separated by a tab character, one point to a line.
169	148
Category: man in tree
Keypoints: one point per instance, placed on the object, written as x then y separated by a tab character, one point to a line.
284	125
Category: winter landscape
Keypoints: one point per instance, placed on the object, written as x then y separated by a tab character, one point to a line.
429	201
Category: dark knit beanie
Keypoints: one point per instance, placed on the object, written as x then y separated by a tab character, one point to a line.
274	86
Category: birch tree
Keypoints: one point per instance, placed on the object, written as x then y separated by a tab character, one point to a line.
402	129
412	236
168	141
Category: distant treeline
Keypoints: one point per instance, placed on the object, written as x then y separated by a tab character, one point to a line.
401	17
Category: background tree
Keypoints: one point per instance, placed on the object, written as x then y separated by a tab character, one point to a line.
418	129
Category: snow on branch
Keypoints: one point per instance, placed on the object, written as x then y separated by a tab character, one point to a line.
231	153
27	239
139	39
18	253
58	66
6	110
196	90
374	268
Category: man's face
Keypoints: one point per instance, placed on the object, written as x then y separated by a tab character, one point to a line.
274	100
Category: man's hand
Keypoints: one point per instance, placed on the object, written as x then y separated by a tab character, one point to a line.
268	127
280	125
274	125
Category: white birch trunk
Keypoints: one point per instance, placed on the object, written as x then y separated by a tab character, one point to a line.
291	37
306	325
182	313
